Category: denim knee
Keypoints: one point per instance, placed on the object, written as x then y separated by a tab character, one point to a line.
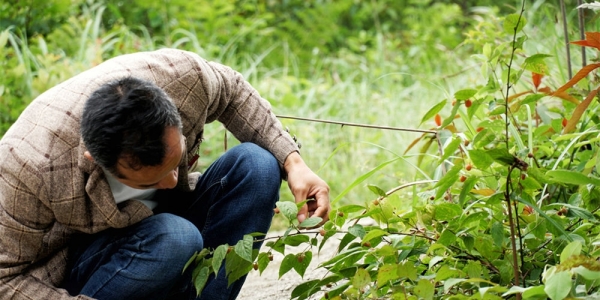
178	235
259	162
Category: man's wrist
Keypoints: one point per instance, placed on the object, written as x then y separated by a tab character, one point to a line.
292	160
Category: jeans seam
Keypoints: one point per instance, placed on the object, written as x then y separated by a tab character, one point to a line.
220	183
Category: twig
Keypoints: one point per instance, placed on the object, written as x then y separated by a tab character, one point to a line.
508	191
581	16
566	33
358	124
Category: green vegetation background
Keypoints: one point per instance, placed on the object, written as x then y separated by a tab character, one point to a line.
383	62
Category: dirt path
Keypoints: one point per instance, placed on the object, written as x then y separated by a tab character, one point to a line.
268	287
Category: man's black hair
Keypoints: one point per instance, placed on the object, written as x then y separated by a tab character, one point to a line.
127	118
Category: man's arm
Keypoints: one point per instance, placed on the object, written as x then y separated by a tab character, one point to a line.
305	184
24	223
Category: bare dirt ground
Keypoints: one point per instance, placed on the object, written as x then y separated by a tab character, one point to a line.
269	287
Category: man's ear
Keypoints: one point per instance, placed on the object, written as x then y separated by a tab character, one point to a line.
88	156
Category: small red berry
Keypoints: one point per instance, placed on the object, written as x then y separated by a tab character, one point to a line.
438	120
463	178
468	103
468	167
564	122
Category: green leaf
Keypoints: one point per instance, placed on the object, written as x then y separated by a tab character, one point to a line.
558	286
357	230
236	267
433	111
573	248
377	190
361	279
287	264
445	272
278	246
502	156
447	237
263	261
480	159
447	211
303	260
514	23
218	257
448	284
497	232
536	64
288	209
387	273
450	149
244	248
465	94
586	273
189	262
425	289
447	181
352	208
484	245
374	234
200	280
571	177
296	240
408	270
554	224
363	178
306	289
310	222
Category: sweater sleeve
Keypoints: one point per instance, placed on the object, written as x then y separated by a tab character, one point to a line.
236	104
25	222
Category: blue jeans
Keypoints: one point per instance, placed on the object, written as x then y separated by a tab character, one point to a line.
235	196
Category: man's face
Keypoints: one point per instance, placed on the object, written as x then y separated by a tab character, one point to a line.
163	176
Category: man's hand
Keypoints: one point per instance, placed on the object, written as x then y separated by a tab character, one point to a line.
305	184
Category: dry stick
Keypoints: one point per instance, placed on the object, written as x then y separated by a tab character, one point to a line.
508	192
581	16
566	33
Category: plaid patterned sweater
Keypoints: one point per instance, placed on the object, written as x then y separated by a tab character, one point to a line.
49	191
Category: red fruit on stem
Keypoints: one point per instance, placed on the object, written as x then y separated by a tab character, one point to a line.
438	120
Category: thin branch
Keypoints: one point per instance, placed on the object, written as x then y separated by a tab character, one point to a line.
566	33
358	124
508	191
581	17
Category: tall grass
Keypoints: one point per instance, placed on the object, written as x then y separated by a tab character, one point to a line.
385	82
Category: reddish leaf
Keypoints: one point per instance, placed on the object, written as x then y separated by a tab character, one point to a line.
578	112
537	79
592	39
580	75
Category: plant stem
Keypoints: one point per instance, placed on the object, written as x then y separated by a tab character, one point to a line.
581	16
566	33
508	191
